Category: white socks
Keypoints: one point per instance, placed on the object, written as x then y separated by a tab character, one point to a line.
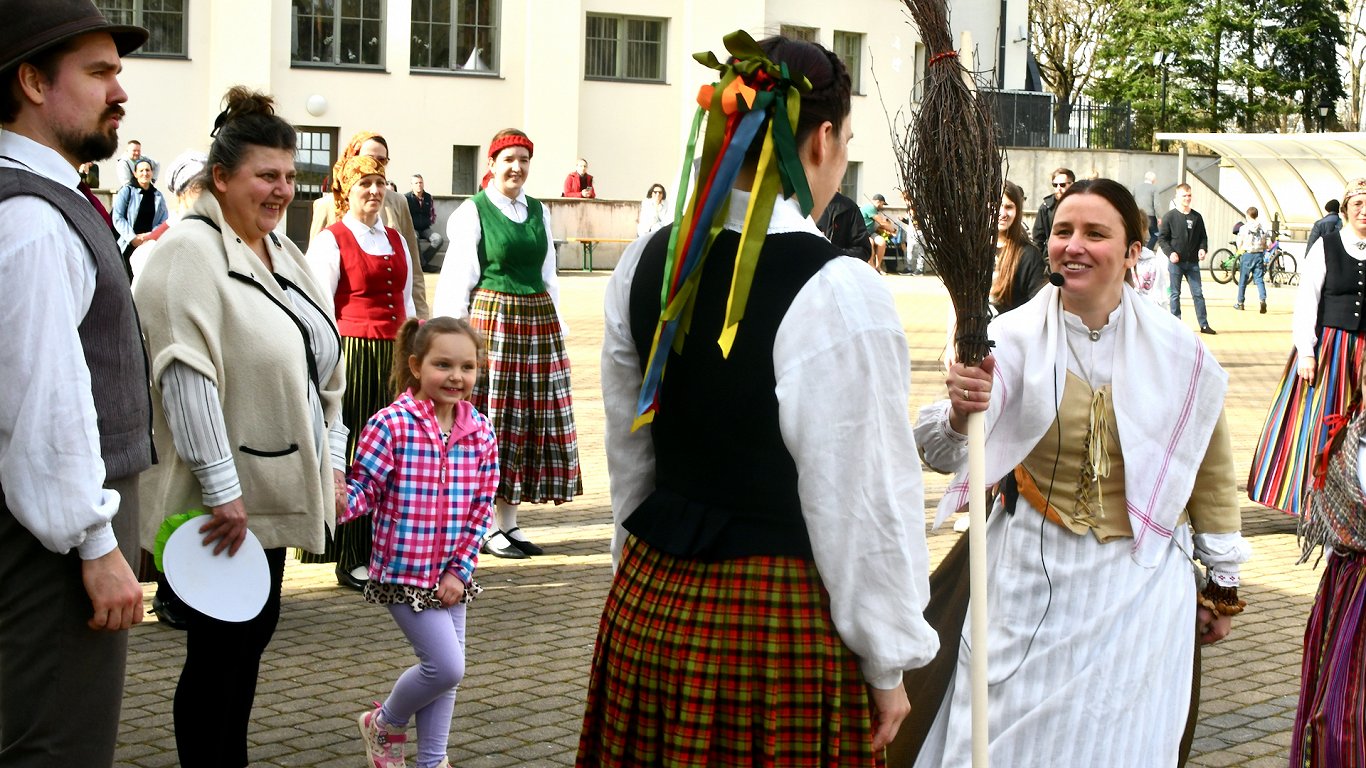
505	519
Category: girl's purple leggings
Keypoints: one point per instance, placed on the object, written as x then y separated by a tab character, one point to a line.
427	689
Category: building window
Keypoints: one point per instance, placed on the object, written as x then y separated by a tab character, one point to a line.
849	184
794	32
625	48
348	33
921	69
465	170
313	159
164	20
849	47
455	35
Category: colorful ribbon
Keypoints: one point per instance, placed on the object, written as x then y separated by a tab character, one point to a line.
754	94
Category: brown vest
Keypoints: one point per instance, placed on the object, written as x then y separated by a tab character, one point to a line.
110	335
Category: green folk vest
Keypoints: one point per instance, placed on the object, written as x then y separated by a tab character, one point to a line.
510	254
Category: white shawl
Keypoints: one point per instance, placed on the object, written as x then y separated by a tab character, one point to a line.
1168	394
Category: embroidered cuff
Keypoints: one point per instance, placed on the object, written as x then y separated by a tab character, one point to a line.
1221	597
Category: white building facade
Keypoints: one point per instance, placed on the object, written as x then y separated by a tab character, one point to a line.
612	81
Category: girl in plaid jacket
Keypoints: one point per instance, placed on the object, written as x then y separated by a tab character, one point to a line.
426	470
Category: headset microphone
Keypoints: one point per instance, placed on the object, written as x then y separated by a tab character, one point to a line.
1056	278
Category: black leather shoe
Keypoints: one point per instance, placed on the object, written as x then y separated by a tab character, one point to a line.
1208	330
526	546
168	611
499	545
345	579
1263	308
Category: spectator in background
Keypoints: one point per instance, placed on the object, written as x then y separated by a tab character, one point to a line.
126	166
877	225
138	209
1252	241
1145	194
580	182
842	224
423	210
654	214
1182	236
1330	223
1062	178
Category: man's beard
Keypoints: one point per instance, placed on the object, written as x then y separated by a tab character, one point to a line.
94	145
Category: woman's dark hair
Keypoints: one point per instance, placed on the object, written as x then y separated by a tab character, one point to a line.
248	120
828	98
1119	197
414	339
659	187
1016	240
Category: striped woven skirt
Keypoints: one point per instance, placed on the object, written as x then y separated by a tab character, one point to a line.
1330	723
1293	434
368	365
720	664
526	394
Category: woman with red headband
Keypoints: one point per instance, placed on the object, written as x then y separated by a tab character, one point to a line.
500	273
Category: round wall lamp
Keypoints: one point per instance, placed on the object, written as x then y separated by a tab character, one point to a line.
316	105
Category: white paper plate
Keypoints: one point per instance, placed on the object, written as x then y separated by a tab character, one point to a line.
225	588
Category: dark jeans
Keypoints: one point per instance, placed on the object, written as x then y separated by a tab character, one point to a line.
1152	232
1251	262
1191	271
218	683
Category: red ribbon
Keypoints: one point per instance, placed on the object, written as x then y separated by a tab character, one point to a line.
1334	422
942	56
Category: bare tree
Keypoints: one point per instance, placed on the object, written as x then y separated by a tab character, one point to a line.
1064	36
1354	64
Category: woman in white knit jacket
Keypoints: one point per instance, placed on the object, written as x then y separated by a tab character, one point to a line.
247	379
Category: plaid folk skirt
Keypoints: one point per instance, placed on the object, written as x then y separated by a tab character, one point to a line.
526	394
1330	722
722	664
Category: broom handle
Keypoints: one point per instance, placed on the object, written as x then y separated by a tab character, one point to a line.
977	570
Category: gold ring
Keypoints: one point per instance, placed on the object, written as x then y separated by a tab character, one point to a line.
965	393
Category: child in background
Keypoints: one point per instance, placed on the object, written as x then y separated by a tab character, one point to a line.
426	469
1150	278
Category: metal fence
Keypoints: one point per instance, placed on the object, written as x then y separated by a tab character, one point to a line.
1025	119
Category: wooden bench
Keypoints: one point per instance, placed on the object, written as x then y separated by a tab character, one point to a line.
589	243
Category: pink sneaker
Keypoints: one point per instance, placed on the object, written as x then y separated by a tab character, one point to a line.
383	746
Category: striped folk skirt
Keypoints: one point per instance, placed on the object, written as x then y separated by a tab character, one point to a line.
526	394
723	663
1330	723
368	365
1294	433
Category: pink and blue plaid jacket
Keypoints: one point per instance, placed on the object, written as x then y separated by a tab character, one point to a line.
430	503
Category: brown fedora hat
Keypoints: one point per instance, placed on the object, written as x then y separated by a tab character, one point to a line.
33	26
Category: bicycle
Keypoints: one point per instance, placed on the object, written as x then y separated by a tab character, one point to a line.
1281	267
1223	265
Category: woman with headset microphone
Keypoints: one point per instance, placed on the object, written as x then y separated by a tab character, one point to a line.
1111	483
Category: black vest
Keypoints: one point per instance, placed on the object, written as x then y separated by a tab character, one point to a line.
110	335
1344	286
725	484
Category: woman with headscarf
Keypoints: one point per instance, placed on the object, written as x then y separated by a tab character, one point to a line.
500	273
745	624
364	266
1322	378
139	208
247	378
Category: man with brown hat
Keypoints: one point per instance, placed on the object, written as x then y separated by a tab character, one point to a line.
74	400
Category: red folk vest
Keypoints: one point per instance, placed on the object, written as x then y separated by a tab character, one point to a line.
369	297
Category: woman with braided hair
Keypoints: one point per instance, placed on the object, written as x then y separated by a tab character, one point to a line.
500	273
745	625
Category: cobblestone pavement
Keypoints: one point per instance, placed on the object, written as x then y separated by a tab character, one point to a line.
531	633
